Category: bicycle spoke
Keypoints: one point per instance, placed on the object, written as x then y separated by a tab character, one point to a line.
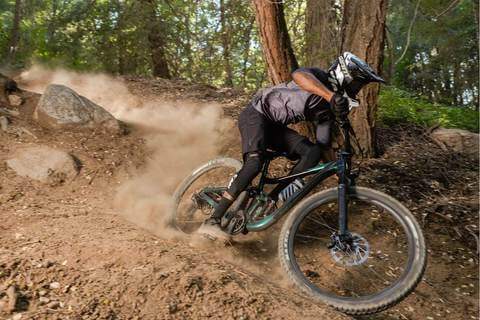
322	224
309	237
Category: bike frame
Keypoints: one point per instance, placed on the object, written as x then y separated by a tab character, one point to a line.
322	171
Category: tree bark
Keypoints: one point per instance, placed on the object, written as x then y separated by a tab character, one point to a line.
363	33
276	45
15	33
188	44
476	9
322	40
121	41
247	36
157	41
388	76
226	46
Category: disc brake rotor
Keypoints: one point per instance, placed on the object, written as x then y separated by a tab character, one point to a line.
351	252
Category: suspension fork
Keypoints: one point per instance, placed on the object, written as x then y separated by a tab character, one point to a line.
343	165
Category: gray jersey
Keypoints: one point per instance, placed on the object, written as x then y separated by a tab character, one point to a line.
287	103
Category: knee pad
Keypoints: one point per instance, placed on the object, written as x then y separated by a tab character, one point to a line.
253	161
252	165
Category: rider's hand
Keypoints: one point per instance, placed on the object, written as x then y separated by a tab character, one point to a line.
339	104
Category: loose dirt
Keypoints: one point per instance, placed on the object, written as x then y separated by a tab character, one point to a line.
67	250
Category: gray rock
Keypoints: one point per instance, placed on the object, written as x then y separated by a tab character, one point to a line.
4	123
17	316
53	305
60	106
457	140
44	164
54	285
15	100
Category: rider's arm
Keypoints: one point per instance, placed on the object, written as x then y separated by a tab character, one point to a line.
308	82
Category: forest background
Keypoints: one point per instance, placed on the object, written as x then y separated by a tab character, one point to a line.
426	49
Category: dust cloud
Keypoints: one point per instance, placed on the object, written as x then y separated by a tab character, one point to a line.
179	137
110	92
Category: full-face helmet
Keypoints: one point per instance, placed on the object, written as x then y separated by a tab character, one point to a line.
349	73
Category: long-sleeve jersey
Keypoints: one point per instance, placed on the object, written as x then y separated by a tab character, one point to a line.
287	103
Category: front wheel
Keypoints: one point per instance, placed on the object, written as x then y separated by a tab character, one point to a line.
378	265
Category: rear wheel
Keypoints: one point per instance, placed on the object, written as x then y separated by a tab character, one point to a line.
189	208
377	266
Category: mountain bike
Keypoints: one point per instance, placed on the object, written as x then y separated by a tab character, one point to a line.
353	248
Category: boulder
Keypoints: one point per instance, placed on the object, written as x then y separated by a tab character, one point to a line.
60	106
457	140
44	164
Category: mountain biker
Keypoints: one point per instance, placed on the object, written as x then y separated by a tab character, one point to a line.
313	95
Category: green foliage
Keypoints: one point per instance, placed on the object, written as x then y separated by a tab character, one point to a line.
397	106
441	61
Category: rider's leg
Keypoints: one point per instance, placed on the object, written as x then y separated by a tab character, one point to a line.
310	154
299	146
250	169
252	125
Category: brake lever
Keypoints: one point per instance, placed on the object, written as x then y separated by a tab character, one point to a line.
352	103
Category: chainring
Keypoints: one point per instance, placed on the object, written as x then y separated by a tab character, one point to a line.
234	222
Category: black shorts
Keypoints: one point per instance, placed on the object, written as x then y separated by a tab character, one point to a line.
258	133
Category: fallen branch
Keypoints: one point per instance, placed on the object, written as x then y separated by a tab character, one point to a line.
409	33
12	299
475	235
9	112
28	132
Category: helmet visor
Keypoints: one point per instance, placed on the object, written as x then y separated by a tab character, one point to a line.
361	70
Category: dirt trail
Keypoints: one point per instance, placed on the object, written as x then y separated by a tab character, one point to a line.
69	254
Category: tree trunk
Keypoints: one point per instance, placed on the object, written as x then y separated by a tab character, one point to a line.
226	46
188	44
388	76
121	41
156	41
363	33
247	36
321	33
15	33
276	45
476	9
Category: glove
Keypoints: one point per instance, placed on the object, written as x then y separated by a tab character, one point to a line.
339	105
